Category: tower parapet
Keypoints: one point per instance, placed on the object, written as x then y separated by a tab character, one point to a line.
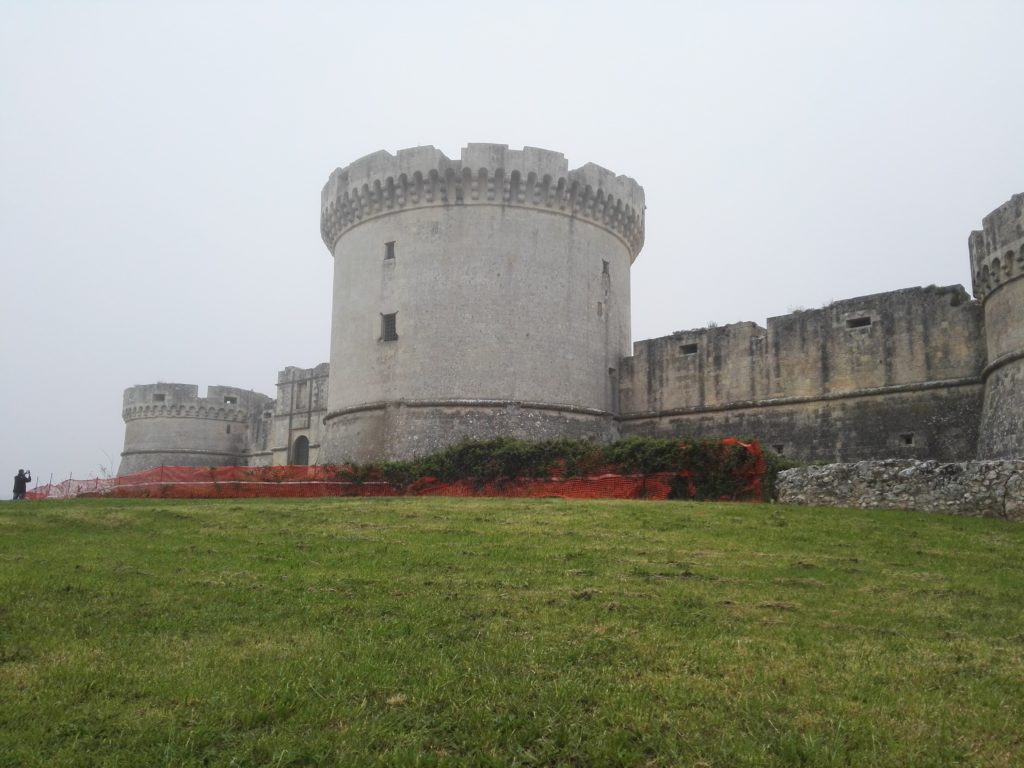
997	269
997	255
486	174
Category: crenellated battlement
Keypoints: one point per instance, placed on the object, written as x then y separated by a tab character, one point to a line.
485	174
997	250
193	411
168	400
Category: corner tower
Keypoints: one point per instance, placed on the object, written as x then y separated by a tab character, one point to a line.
170	425
997	269
482	296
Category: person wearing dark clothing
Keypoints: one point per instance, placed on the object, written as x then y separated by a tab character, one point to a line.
21	481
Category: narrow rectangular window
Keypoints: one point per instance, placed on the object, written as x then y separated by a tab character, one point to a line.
389	250
604	267
858	322
389	327
688	349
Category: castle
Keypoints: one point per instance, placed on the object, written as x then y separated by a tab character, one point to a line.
489	295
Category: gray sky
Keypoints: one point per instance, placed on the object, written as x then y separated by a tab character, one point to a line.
161	166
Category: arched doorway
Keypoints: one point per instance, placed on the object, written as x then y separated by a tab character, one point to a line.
300	450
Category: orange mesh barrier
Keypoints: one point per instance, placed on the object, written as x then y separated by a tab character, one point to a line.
312	481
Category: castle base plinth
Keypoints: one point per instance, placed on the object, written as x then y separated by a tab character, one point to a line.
138	461
1002	418
396	431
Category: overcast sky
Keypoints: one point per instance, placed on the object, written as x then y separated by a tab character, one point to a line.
161	166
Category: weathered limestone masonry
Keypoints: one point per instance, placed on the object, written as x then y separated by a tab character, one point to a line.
489	295
972	488
894	374
170	425
920	373
997	269
474	297
299	415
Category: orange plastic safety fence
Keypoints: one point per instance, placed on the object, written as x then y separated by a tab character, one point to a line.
314	481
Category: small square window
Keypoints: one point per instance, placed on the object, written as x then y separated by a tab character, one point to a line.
389	327
778	448
389	250
907	438
230	400
159	398
687	349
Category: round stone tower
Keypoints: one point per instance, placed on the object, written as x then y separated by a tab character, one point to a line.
476	297
997	268
170	425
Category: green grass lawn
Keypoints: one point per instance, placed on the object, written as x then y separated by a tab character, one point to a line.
426	631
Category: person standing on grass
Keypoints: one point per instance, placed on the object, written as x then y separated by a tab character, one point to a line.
21	481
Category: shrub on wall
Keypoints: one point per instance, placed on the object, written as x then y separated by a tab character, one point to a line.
701	469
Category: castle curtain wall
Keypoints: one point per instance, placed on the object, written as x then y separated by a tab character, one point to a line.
893	374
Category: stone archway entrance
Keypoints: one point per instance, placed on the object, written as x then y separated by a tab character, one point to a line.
300	451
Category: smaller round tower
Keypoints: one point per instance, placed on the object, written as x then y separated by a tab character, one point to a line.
170	425
997	269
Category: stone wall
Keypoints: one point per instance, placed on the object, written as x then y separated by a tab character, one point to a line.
398	430
298	414
972	488
895	374
937	422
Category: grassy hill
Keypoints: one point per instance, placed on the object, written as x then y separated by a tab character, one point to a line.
429	631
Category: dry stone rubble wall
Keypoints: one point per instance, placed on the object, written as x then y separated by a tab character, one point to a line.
971	488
